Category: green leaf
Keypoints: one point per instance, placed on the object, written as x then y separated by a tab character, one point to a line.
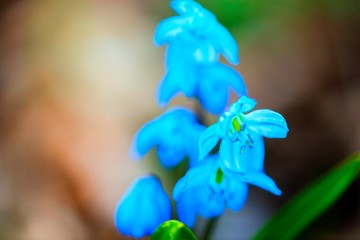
307	205
173	230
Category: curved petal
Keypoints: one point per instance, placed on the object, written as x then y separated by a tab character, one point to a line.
216	102
169	86
193	149
170	156
263	181
207	141
219	73
205	52
236	194
225	120
229	158
211	202
177	54
186	209
197	176
225	43
256	153
168	29
267	123
188	82
145	139
244	104
230	77
240	157
213	95
186	7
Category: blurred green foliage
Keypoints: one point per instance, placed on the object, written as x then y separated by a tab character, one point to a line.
310	203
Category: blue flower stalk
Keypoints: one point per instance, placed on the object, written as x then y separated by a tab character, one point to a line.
215	181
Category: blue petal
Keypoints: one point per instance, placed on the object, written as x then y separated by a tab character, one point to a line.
267	123
195	193
179	133
256	154
213	91
169	29
225	120
169	86
229	77
236	195
198	200
204	52
207	141
186	7
225	43
197	176
186	209
188	82
193	152
213	86
241	158
213	97
229	158
146	138
170	156
263	181
211	204
177	54
244	104
176	79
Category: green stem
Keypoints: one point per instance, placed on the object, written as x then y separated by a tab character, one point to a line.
209	228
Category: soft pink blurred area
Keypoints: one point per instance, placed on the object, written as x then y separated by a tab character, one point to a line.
75	76
78	78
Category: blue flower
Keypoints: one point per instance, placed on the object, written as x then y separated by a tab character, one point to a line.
207	191
210	187
196	41
241	129
174	135
199	31
143	208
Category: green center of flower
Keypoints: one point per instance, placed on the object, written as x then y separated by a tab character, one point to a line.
219	176
237	123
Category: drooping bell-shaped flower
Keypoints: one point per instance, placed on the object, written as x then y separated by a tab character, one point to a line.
211	186
143	208
199	31
174	135
205	190
195	41
241	129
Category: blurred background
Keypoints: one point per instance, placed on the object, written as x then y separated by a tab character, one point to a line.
78	78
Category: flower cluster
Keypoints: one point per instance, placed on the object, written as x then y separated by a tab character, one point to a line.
216	179
221	179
